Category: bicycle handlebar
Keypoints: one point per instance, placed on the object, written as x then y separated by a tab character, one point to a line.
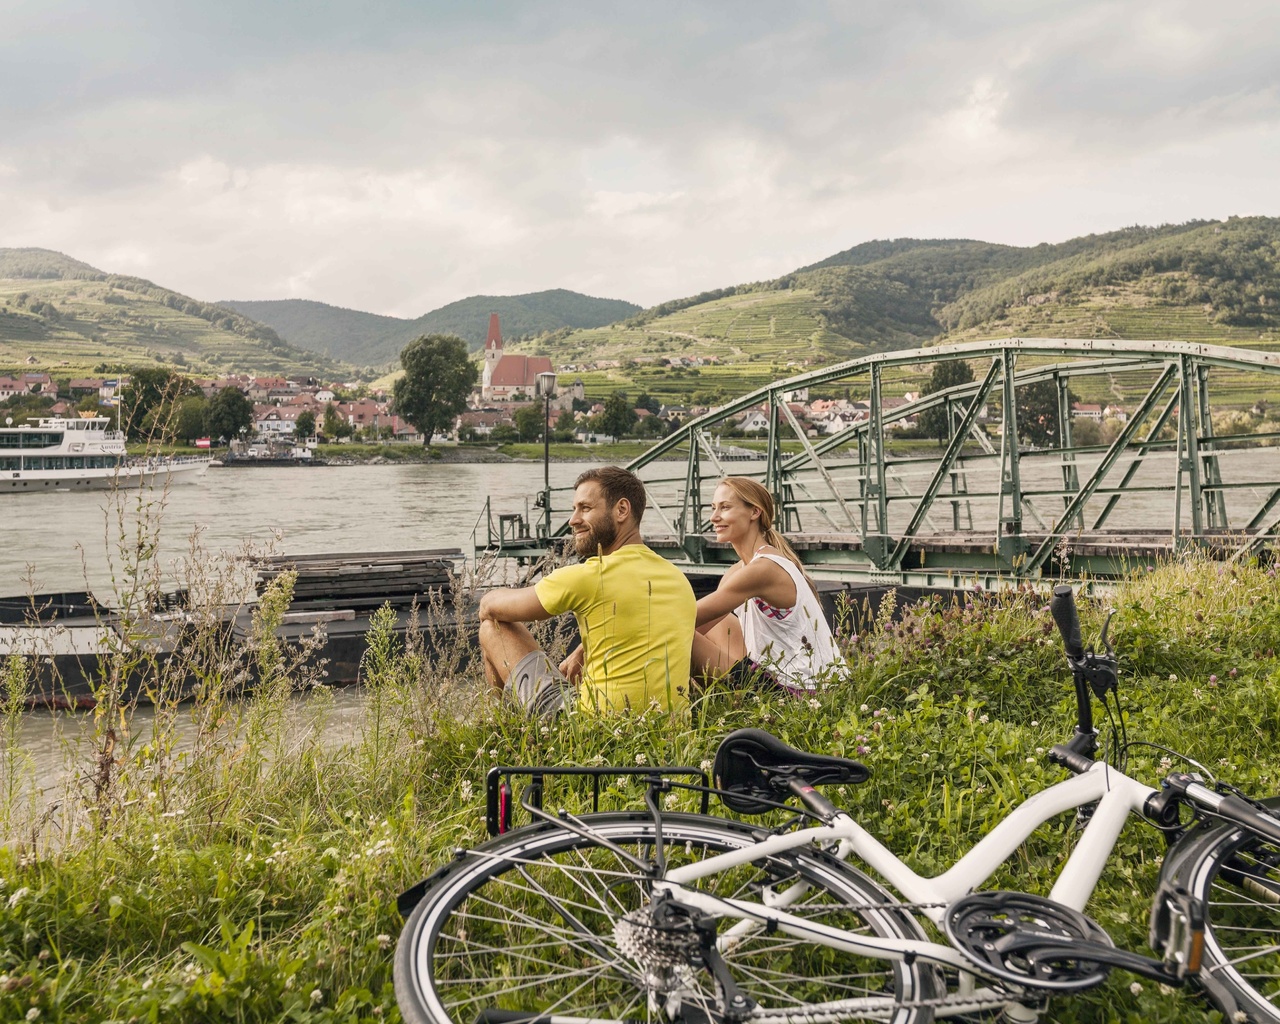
1063	608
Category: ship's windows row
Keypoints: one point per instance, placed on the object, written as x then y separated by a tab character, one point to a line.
29	439
15	462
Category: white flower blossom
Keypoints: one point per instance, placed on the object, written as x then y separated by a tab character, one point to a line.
18	896
316	996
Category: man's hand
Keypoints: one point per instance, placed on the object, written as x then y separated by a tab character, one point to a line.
571	667
507	604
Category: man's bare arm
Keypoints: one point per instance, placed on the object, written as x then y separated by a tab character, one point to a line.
508	604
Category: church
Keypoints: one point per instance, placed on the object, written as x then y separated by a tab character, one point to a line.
508	377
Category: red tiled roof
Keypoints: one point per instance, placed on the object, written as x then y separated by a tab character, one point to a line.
519	371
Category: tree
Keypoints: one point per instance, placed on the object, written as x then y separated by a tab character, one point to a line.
305	424
946	374
147	390
529	422
438	378
619	415
646	401
228	410
1038	419
334	425
190	419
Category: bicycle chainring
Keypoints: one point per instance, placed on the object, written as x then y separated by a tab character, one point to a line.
1026	940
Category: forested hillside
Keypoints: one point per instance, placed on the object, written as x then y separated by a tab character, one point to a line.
59	312
368	339
1209	281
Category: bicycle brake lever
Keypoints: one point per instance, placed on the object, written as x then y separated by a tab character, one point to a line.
1102	639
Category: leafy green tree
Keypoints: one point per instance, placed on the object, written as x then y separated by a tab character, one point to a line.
946	374
305	424
438	378
646	401
147	390
619	416
1038	419
228	410
190	417
529	422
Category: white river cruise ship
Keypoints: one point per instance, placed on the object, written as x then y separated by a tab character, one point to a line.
57	453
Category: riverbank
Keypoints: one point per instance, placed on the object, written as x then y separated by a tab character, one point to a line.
253	876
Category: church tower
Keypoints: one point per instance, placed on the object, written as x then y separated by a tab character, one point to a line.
492	351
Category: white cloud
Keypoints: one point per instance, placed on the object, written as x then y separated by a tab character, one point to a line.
397	159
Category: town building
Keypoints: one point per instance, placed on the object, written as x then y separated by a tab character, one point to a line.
507	376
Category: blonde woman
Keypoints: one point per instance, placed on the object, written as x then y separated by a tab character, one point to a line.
764	620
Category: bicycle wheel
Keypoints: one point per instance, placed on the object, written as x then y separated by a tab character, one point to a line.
523	930
1237	875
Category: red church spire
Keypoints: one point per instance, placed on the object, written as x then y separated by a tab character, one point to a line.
495	333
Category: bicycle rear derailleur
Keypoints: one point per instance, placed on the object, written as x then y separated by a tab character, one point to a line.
671	943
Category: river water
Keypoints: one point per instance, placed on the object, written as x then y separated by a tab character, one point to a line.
69	541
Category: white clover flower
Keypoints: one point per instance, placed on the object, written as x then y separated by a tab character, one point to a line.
984	719
1136	988
641	759
865	707
706	764
33	1013
1031	760
815	703
316	996
1034	724
383	941
1173	679
465	789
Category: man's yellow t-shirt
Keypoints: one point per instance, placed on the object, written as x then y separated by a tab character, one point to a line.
636	614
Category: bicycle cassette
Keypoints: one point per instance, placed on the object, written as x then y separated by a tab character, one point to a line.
1028	940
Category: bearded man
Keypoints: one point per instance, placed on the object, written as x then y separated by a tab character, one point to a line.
635	613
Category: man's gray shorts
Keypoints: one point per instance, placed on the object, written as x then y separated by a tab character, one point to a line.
538	687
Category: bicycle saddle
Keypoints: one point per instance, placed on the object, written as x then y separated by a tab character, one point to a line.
751	765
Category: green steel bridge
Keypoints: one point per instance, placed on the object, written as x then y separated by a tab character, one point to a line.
985	506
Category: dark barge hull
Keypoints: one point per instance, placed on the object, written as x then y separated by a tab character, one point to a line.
69	679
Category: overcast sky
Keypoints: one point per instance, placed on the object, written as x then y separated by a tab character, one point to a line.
393	157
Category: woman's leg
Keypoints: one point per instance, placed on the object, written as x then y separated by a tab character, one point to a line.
718	649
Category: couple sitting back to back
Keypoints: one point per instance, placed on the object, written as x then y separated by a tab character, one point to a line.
642	634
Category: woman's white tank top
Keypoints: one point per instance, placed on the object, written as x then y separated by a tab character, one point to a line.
795	643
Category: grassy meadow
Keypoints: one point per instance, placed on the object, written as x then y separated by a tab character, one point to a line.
249	871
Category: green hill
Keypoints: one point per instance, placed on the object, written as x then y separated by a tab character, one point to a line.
368	339
56	312
1215	282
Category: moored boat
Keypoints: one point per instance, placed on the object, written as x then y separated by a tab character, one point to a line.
61	453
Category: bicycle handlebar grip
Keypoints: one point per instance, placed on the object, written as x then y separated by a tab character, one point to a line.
1067	758
1063	608
1242	812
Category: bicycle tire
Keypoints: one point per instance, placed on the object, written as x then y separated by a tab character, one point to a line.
1237	876
492	939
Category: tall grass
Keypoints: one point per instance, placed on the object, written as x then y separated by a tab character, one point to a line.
250	874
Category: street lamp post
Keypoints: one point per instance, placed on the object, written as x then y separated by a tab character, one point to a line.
546	388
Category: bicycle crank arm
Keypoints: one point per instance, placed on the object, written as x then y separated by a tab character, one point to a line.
1040	951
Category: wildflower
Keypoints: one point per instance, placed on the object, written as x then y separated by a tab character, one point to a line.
641	759
705	765
1039	750
317	995
383	941
924	756
33	1013
1233	673
1136	988
1034	724
1172	678
18	896
815	703
465	789
865	708
1166	763
984	719
1031	760
863	749
494	753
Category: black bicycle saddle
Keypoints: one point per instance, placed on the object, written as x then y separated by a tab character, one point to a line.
752	765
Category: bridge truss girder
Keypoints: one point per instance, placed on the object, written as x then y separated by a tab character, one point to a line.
844	482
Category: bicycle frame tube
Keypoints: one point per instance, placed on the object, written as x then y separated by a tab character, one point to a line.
1116	794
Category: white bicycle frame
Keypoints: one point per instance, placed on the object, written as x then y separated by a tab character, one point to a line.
1116	794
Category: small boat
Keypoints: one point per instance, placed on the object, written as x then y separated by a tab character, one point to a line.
60	453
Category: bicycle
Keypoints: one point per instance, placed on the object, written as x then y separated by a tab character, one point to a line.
631	916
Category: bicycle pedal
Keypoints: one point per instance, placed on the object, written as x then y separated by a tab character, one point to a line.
1177	929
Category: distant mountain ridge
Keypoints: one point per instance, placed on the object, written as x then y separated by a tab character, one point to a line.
59	311
369	339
